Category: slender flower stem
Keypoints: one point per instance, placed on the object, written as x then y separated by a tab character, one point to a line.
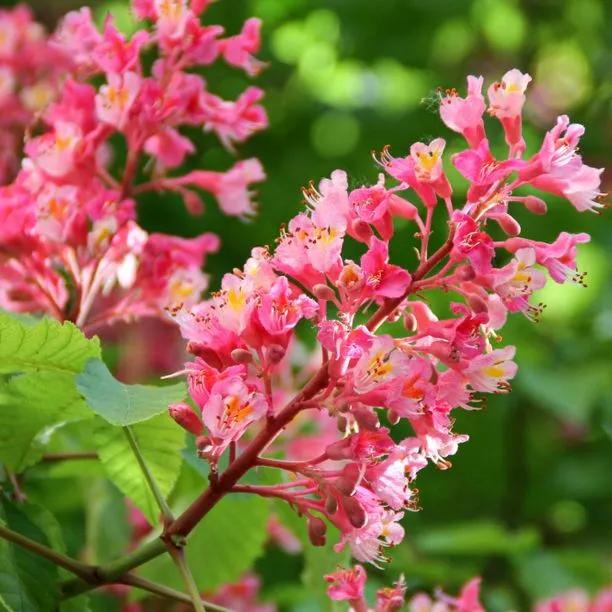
178	556
159	498
272	492
291	466
163	591
84	572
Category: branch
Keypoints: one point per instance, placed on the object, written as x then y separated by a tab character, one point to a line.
185	523
84	572
163	591
54	457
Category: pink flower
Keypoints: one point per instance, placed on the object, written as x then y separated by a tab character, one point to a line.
464	115
169	147
55	152
491	372
428	165
239	50
347	584
115	100
391	599
381	278
469	241
379	373
280	312
516	282
557	167
559	257
506	100
482	170
230	188
234	121
113	54
229	411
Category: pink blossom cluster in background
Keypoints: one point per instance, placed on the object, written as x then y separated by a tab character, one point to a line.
69	241
434	362
349	585
31	73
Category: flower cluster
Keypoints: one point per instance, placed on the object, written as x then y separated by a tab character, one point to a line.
69	241
577	600
349	585
244	335
31	72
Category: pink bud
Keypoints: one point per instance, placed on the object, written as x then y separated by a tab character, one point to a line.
331	505
208	355
193	202
477	304
465	273
508	224
393	417
410	322
362	230
339	450
535	205
241	356
402	208
182	413
316	531
323	292
275	353
348	479
354	512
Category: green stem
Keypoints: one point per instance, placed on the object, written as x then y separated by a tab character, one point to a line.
157	494
163	591
112	572
84	572
178	556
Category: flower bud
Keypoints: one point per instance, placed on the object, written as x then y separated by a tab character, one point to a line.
348	479
339	450
402	208
410	322
182	413
465	273
275	353
331	505
207	354
203	443
316	531
242	356
362	230
354	512
323	292
476	303
193	202
393	417
509	225
535	205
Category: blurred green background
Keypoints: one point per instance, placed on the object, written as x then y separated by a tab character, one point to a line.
528	503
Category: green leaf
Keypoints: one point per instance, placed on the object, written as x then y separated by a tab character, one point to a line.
222	547
28	583
47	345
319	561
122	404
160	441
38	395
34	404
